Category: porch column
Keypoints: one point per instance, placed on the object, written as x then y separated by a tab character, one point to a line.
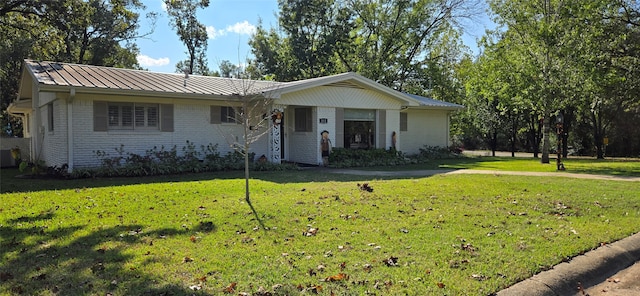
276	145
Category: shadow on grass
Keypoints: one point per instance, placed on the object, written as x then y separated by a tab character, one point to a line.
38	259
10	184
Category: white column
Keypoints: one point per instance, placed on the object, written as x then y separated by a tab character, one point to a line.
276	146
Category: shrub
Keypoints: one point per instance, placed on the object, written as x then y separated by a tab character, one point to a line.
343	157
160	161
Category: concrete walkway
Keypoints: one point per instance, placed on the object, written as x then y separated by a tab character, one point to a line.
610	270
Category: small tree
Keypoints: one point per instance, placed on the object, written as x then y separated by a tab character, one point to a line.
252	110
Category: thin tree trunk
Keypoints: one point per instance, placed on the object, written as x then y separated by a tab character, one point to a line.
545	138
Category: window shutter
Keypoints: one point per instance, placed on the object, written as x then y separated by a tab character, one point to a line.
215	114
382	129
166	117
339	127
100	116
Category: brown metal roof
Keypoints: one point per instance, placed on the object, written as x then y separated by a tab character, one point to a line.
98	77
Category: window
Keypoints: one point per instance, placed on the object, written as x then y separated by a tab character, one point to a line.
359	128
227	115
303	120
131	116
50	116
404	123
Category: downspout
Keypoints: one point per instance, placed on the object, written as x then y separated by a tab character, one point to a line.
448	129
72	95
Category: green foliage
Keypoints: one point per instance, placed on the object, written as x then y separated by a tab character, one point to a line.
160	161
192	33
94	32
343	157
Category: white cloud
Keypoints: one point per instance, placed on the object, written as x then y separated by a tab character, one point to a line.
214	33
147	61
243	28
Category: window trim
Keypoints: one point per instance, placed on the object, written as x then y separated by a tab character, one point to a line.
123	116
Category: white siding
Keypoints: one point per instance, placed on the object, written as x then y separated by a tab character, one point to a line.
191	123
425	127
343	97
393	125
330	126
54	142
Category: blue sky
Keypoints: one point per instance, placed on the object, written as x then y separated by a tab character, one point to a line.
230	24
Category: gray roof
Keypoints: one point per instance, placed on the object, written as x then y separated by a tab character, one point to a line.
428	102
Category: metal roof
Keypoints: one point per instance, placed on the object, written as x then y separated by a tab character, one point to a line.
109	78
428	102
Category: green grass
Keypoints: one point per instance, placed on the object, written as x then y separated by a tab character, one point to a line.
452	235
573	165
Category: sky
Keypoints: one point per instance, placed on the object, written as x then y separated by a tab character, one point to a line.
230	24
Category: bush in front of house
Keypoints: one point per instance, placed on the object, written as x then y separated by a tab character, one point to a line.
344	158
161	161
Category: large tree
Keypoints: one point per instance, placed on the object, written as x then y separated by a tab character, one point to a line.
389	41
191	32
94	31
537	31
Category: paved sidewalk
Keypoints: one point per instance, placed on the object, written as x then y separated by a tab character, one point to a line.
592	271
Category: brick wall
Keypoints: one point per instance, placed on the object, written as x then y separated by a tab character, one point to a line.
191	123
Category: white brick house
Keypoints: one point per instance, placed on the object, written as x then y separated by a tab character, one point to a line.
70	111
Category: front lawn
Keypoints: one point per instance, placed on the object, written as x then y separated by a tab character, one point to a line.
614	167
183	235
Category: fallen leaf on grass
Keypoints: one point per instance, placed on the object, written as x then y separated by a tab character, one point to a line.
195	287
231	288
310	232
316	289
337	277
391	261
365	187
440	285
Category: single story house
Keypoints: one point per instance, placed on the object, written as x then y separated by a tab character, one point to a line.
70	111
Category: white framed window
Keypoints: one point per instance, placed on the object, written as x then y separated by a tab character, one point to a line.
133	116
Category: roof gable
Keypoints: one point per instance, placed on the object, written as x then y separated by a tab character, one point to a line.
348	79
